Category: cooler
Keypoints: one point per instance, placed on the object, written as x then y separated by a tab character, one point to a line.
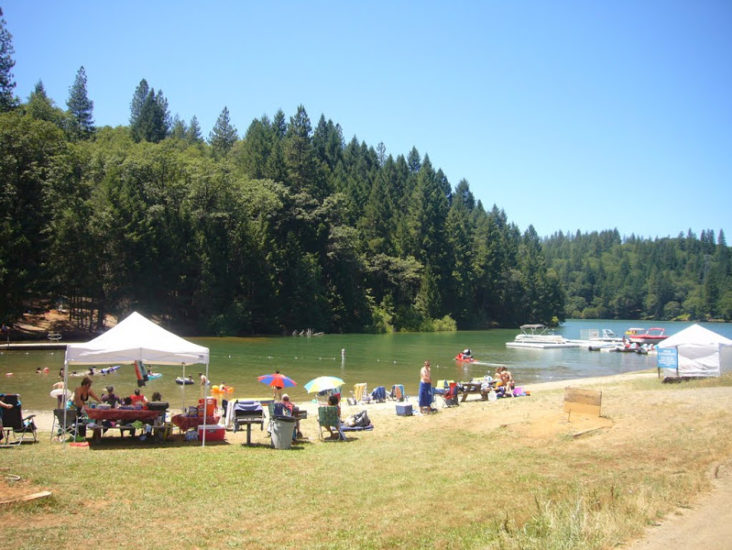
214	432
404	409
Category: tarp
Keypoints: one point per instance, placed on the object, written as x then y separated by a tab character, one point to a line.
137	339
701	352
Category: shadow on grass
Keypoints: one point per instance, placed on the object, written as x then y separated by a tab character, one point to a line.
123	443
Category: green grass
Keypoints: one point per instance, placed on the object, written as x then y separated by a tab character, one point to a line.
412	487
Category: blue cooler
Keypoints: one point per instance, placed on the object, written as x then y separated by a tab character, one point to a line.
404	409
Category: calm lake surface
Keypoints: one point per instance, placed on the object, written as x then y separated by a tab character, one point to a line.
379	360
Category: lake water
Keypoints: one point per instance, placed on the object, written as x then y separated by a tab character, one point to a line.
375	359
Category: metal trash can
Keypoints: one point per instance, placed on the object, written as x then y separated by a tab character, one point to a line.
282	429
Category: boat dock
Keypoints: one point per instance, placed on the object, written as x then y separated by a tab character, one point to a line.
32	346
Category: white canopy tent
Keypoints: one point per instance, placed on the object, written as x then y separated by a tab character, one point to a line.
136	338
700	352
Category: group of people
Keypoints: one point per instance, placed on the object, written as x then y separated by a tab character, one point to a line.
136	400
502	383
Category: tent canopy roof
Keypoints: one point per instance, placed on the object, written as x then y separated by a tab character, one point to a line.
136	338
695	335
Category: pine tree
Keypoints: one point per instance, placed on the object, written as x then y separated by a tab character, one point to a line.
223	136
7	84
138	99
193	135
149	117
41	107
80	107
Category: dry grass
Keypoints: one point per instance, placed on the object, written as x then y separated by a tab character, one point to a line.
506	475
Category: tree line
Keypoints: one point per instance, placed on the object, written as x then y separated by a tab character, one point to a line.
286	227
606	277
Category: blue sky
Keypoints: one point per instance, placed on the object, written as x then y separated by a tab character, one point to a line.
567	115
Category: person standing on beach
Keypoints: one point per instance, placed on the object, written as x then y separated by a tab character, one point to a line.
425	388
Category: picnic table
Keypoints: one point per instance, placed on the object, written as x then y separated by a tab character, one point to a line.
472	387
122	419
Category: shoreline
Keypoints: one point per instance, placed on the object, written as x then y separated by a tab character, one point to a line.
44	418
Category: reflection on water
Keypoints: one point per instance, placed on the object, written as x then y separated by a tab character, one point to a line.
375	359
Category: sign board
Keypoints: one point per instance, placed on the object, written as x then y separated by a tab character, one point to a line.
668	358
578	400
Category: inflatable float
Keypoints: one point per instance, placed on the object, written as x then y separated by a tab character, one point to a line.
222	389
184	381
60	392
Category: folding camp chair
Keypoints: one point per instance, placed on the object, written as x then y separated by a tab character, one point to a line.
450	397
397	392
69	424
328	418
14	424
360	394
379	394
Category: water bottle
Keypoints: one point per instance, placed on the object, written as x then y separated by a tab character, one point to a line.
492	395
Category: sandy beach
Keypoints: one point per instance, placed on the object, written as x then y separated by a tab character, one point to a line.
385	411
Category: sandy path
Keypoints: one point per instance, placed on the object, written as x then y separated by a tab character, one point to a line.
707	524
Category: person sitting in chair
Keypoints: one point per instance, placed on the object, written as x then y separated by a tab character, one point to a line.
333	402
111	398
294	410
138	399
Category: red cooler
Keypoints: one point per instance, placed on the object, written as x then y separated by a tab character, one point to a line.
214	432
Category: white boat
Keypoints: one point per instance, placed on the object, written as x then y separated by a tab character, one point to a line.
599	340
539	337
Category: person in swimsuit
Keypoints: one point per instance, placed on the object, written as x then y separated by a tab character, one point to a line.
83	393
425	388
81	396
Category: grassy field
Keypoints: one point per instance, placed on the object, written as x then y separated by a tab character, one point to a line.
510	474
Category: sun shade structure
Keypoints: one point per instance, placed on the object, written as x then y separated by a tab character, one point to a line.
699	352
136	338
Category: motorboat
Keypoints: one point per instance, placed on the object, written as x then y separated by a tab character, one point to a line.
538	336
646	336
600	340
465	356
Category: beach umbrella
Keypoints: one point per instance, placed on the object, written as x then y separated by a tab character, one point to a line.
323	383
277	380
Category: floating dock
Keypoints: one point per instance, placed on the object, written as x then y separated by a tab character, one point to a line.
32	346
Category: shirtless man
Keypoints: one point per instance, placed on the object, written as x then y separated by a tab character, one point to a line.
425	388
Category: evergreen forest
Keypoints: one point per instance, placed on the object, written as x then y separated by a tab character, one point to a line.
291	226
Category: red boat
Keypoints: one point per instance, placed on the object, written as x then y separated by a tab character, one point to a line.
465	357
646	336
